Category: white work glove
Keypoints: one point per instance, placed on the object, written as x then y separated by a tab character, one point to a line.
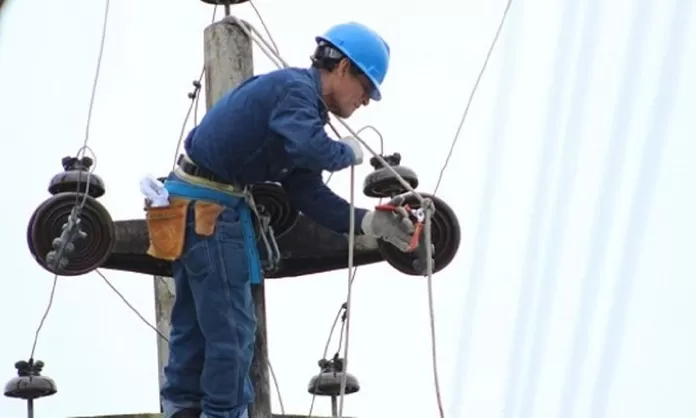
354	145
393	227
154	191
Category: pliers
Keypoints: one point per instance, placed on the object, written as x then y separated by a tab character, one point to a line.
417	218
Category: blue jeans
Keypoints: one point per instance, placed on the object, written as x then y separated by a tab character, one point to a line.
213	323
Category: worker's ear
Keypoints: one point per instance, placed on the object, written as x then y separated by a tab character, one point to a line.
343	67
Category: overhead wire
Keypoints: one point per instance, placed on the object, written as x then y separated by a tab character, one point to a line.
450	153
351	260
656	140
354	272
79	205
193	106
341	314
372	128
252	3
165	338
471	96
130	305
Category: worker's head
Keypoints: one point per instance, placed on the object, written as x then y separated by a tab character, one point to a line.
353	60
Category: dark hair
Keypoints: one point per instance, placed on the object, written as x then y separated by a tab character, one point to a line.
326	57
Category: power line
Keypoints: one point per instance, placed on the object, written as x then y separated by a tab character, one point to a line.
342	315
471	96
193	106
165	338
73	219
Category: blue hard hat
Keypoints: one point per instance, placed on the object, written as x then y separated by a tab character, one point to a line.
364	48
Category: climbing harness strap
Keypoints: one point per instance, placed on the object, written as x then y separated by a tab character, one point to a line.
272	261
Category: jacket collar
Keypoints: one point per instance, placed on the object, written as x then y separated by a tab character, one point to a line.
316	77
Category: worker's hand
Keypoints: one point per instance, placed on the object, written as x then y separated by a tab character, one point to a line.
393	227
354	145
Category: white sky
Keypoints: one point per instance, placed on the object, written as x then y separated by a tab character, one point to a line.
103	357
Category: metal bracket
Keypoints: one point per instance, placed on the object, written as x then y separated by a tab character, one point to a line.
272	261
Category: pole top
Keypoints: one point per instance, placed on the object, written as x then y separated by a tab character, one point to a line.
224	2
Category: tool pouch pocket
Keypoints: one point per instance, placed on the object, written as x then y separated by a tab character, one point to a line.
166	227
206	217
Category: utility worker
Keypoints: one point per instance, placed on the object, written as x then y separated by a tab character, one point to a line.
270	128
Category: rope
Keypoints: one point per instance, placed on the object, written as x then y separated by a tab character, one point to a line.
484	219
79	205
381	144
351	254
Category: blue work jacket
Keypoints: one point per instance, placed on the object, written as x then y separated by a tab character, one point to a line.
271	128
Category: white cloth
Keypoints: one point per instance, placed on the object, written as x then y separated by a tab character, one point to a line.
154	191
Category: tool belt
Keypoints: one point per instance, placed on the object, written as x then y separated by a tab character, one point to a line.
192	169
195	174
167	225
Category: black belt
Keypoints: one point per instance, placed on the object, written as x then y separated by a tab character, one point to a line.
196	171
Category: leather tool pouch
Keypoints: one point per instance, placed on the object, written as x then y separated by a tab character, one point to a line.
166	227
206	217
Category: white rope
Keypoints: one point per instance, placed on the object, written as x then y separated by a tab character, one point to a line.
351	254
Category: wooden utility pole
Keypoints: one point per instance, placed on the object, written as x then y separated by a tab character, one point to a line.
164	300
228	62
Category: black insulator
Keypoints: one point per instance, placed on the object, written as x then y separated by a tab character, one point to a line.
271	200
76	177
81	255
29	383
445	238
328	381
382	183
